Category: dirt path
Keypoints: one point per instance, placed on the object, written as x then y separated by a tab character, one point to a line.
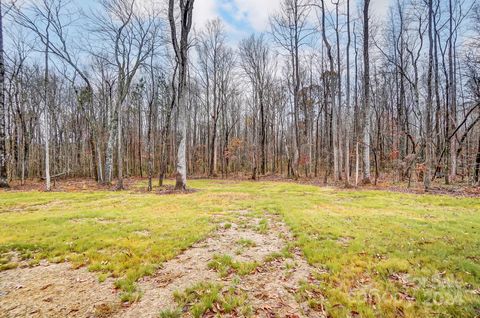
54	290
269	288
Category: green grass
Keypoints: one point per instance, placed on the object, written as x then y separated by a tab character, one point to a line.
380	254
282	254
359	241
202	297
170	314
262	226
226	265
123	235
246	242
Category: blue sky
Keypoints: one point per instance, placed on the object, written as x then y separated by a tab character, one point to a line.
241	17
247	16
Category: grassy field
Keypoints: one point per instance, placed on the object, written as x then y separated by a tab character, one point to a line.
377	254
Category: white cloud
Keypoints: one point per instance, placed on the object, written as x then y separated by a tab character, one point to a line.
203	11
254	14
257	12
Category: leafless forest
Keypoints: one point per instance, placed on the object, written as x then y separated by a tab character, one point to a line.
330	92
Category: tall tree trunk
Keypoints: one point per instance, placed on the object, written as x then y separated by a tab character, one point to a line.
477	164
45	113
357	163
428	119
181	177
331	96
93	148
338	129
181	53
296	93
213	145
140	138
3	150
366	95
119	185
151	105
99	165
166	129
347	141
401	132
453	98
263	134
112	131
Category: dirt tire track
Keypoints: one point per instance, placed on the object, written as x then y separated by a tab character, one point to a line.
270	288
76	293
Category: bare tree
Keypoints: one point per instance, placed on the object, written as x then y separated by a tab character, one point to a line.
132	35
152	106
347	91
332	78
429	102
61	20
211	49
255	62
46	106
291	32
181	49
366	93
108	104
3	150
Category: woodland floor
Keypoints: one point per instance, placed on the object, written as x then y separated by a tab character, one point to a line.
237	249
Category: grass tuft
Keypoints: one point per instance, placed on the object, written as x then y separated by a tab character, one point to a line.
170	314
246	243
225	265
205	297
262	226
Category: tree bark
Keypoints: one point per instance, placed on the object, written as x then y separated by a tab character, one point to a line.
3	150
119	185
453	102
45	111
181	53
477	164
428	120
366	95
347	141
112	131
331	76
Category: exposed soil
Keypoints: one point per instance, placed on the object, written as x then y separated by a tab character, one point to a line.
270	288
55	290
165	190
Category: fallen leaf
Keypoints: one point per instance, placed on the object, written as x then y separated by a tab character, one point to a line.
406	297
354	313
